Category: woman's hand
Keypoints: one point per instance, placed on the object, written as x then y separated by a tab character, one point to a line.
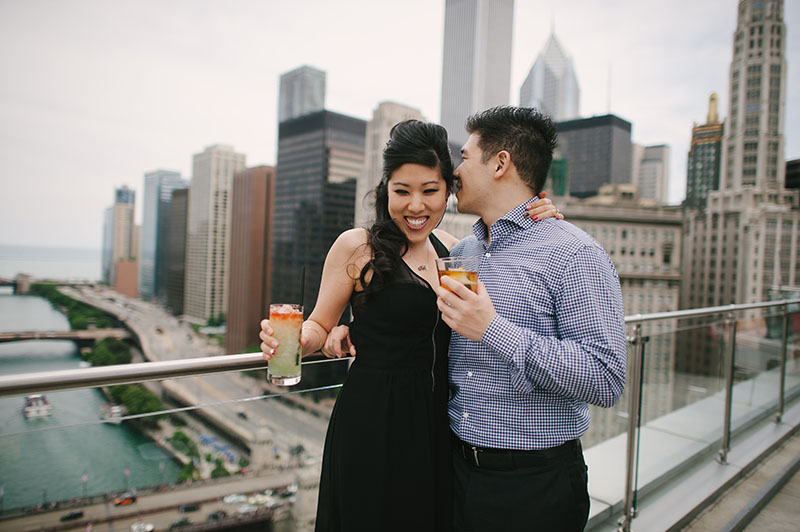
337	344
269	343
542	208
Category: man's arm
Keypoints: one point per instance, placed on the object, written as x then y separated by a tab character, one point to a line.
586	361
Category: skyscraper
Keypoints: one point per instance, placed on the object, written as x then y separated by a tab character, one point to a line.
650	172
476	64
176	250
119	233
384	117
251	232
597	152
320	155
705	157
208	232
551	85
158	188
302	91
744	246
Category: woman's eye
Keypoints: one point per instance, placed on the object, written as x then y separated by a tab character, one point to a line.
431	191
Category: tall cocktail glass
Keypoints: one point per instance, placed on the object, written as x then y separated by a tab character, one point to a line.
286	321
462	269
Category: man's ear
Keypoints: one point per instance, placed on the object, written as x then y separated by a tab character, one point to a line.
503	163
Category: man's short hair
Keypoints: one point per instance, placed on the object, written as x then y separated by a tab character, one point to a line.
524	132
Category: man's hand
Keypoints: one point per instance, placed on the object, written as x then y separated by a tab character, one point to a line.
337	344
467	313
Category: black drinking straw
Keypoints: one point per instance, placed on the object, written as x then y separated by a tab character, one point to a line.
302	285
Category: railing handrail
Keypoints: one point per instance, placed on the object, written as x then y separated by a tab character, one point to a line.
706	311
94	377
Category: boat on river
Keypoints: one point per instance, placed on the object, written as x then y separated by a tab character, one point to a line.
37	405
113	413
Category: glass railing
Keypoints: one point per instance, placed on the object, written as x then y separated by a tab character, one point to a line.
220	439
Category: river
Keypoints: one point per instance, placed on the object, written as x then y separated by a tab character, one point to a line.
45	459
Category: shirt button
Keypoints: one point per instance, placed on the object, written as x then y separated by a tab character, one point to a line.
488	255
466	415
469	374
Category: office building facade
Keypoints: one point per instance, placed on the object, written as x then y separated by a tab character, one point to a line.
302	91
476	63
176	250
320	156
250	265
158	188
384	117
705	158
597	151
208	231
650	172
552	85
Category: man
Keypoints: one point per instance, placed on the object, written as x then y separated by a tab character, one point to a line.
543	336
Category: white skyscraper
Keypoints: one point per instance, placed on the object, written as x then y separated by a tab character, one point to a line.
650	172
551	85
302	92
208	231
384	117
476	65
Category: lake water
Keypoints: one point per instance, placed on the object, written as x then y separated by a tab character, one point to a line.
50	262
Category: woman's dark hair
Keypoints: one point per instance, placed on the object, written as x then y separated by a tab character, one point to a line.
411	141
526	133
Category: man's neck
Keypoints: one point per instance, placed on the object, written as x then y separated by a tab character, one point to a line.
503	204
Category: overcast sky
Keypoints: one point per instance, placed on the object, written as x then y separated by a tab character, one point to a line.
94	93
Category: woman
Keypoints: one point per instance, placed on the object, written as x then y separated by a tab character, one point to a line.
386	463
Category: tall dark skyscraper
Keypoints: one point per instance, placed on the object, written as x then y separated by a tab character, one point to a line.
320	155
176	250
597	151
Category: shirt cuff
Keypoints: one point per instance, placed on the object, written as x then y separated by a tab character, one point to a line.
502	335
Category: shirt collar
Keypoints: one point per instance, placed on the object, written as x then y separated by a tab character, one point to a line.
511	221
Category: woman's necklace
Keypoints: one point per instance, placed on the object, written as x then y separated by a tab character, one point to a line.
422	267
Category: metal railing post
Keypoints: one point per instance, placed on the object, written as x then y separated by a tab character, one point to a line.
784	344
634	386
729	364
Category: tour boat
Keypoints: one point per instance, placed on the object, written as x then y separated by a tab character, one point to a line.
37	405
112	412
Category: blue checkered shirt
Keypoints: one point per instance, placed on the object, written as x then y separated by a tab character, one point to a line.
556	344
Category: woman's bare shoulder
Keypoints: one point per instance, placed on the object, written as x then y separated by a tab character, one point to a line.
446	238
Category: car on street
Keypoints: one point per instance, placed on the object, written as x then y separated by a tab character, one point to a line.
74	514
189	507
216	516
234	498
183	521
246	509
125	499
141	526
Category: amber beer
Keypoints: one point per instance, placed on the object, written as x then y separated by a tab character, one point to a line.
462	269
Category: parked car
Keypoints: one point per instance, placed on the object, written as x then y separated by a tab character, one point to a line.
74	514
234	498
216	516
141	526
189	507
125	499
183	521
247	509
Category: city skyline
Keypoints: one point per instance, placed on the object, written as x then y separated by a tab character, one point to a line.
89	107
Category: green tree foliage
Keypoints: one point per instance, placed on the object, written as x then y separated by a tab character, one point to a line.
188	473
219	470
109	351
183	444
138	400
78	314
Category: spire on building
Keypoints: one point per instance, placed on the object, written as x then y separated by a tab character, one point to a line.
713	117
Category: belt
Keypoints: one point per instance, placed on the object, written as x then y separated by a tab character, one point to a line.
509	459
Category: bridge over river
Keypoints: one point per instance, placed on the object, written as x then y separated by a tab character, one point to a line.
81	337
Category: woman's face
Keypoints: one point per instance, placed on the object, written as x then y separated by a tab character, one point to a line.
417	199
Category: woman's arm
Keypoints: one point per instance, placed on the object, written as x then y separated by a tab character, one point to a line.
348	254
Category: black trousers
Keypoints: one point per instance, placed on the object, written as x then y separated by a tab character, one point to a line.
547	494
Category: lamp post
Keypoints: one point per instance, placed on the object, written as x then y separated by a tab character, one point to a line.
84	480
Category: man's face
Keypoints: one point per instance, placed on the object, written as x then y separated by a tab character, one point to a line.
473	177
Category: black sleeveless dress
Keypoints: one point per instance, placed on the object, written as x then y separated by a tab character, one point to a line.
386	464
